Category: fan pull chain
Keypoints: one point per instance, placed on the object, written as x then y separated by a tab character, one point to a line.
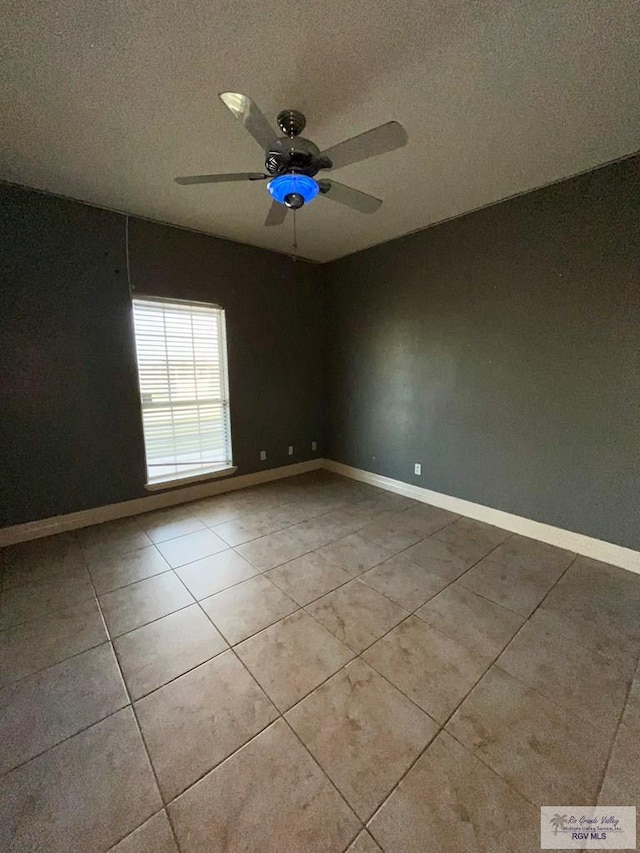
295	231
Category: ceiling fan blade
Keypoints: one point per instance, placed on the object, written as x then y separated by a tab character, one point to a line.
362	202
251	117
221	179
277	214
379	140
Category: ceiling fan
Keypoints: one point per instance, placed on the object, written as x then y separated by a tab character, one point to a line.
292	162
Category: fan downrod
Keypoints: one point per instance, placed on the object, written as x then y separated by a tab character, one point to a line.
291	122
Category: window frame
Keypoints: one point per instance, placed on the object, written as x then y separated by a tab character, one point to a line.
224	469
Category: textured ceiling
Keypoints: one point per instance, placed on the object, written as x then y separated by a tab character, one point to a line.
108	101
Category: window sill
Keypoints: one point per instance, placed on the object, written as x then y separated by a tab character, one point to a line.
171	482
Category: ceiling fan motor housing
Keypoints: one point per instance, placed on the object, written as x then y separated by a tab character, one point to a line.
296	154
293	153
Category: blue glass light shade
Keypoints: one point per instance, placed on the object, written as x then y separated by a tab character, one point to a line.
281	186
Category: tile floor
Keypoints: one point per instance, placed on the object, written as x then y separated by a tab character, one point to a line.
309	665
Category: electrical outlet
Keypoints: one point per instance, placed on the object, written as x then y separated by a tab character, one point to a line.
417	469
314	445
291	450
263	455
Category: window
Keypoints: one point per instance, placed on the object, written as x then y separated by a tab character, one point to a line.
182	368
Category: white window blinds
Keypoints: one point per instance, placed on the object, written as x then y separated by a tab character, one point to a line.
182	367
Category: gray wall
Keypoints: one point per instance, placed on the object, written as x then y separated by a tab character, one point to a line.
70	429
502	351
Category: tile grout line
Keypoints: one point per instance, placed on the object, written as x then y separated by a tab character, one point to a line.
259	574
280	716
607	763
391	556
442	728
357	655
564	709
475	684
232	647
136	520
259	571
137	722
326	776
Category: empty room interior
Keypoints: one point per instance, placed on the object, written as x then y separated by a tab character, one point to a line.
320	426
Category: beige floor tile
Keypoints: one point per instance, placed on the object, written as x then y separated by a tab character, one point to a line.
408	584
472	539
317	532
517	575
62	551
294	512
364	843
358	714
621	785
191	547
522	551
156	653
132	606
247	608
426	519
43	573
597	606
251	501
272	550
213	574
50	706
631	716
35	645
432	669
214	511
578	621
560	669
292	657
353	554
347	520
83	795
249	527
269	797
198	720
308	577
544	751
452	799
390	534
357	614
113	537
154	836
119	570
379	501
476	622
39	600
42	560
166	524
438	557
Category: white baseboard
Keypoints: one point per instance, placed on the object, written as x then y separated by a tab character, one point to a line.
174	497
597	549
